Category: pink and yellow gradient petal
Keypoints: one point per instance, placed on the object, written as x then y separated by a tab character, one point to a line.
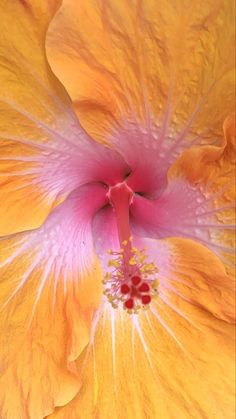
163	362
50	288
143	59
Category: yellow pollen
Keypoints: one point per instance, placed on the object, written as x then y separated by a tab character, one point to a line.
155	283
114	263
132	261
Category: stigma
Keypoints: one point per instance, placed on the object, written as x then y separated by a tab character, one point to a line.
131	280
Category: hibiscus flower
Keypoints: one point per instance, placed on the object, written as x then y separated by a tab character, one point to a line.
117	209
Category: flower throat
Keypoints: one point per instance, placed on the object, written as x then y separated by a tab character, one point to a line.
130	281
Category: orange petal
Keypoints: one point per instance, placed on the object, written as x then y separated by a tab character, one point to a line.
163	362
50	287
198	276
138	54
35	114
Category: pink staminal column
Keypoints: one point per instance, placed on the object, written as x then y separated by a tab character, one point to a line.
130	280
121	197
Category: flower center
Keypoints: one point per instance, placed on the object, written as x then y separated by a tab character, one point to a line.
131	280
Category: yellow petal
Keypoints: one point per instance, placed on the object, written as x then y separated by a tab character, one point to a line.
138	54
50	288
34	114
170	361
